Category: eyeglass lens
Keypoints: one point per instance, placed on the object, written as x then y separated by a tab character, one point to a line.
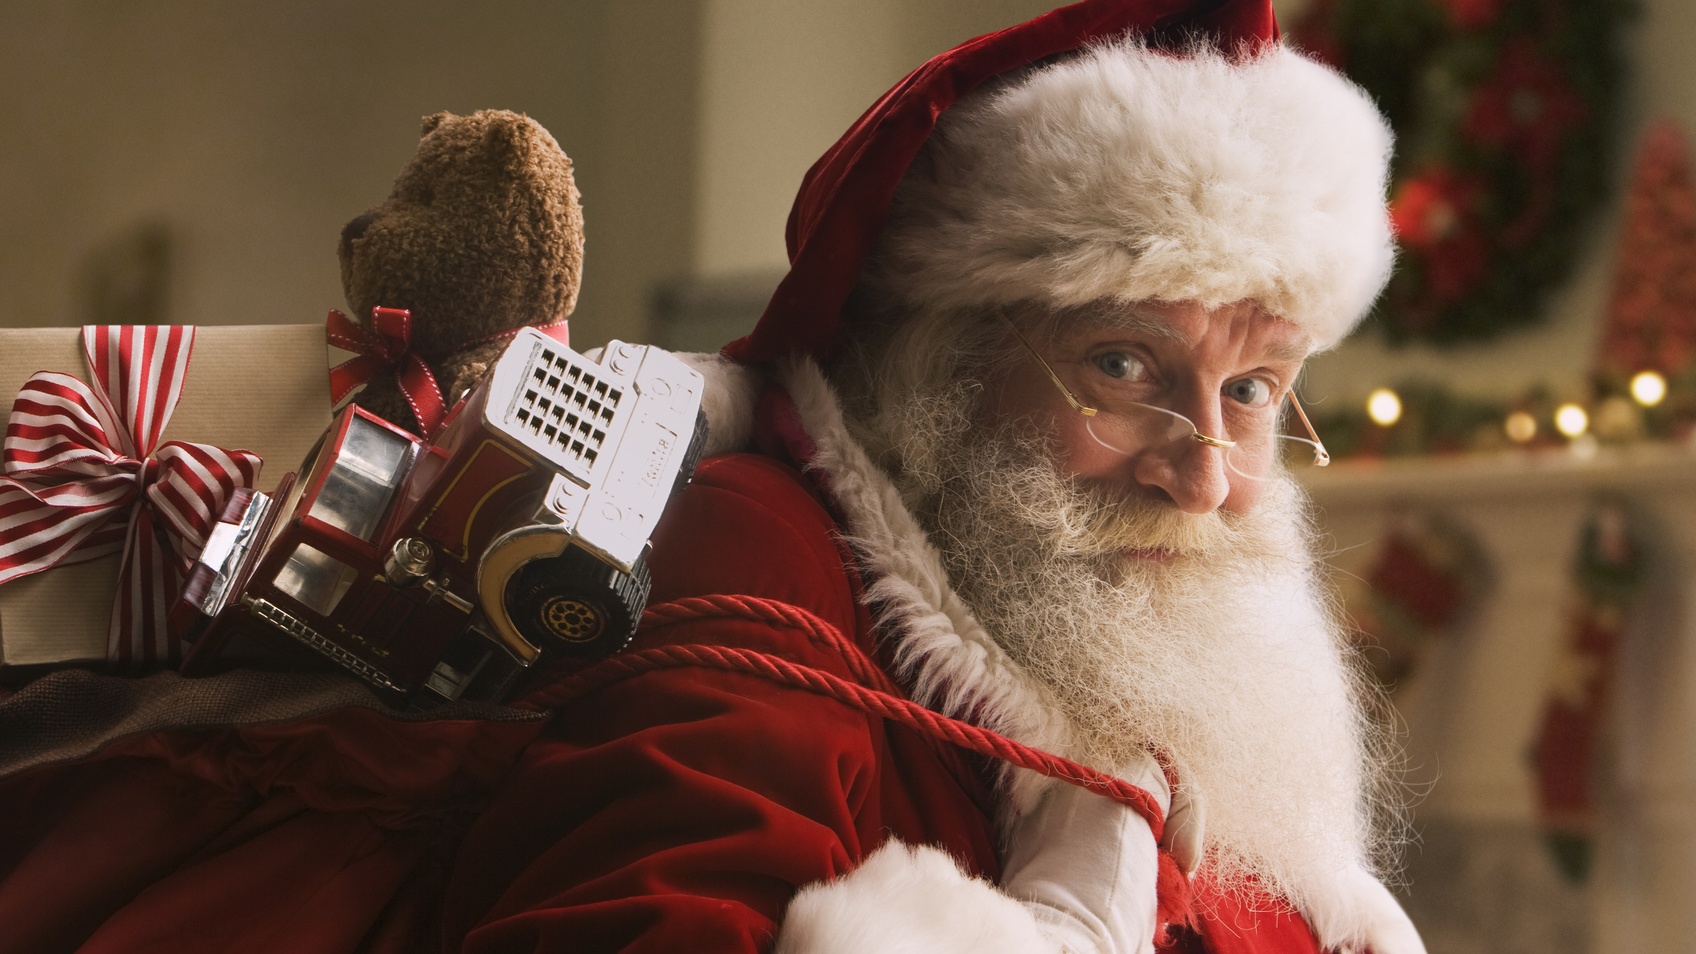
1133	429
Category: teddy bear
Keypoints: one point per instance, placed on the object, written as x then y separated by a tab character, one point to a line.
481	234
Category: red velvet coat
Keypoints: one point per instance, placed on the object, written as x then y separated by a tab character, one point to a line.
675	809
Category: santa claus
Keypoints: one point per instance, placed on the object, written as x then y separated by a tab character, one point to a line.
1003	460
1011	431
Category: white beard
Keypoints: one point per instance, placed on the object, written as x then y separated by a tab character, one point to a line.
1224	659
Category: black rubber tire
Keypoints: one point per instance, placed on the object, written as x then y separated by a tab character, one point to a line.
575	605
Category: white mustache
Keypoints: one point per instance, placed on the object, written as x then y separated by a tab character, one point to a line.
1092	520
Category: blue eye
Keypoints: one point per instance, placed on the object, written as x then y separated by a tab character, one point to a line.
1120	365
1249	392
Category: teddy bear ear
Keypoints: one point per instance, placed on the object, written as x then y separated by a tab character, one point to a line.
503	139
432	121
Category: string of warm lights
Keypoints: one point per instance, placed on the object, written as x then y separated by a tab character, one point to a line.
1422	418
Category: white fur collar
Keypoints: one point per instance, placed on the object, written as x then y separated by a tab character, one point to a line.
944	656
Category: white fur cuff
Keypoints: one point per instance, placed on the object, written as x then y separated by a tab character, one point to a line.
1363	916
728	401
907	899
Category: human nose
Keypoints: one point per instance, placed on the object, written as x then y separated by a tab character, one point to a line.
1191	472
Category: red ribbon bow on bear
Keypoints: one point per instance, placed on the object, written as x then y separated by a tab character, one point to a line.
386	347
83	475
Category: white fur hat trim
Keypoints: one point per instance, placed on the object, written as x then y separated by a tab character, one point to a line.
1128	173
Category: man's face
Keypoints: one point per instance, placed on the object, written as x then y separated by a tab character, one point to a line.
1227	369
1157	600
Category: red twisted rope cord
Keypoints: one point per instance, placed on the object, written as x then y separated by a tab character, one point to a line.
860	665
773	613
873	701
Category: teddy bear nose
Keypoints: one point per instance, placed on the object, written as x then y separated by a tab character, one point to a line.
354	229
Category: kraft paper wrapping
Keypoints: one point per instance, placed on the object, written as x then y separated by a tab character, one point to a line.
262	388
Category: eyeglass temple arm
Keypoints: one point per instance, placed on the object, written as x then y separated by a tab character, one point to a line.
1321	456
1065	391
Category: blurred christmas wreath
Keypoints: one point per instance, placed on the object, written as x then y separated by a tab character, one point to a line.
1502	111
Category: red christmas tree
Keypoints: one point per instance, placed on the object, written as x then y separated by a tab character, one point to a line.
1651	321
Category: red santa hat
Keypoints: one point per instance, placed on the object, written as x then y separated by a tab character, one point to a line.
1142	149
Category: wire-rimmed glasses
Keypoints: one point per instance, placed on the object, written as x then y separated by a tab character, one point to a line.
1133	427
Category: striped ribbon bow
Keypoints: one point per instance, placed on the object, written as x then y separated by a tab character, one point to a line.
83	475
386	347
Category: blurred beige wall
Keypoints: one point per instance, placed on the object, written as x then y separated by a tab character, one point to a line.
251	133
781	81
254	131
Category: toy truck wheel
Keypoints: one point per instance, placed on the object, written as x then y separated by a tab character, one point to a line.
576	605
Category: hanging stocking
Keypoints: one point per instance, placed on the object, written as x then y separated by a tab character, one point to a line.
1425	578
1607	582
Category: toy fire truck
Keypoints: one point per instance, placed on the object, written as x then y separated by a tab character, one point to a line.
441	570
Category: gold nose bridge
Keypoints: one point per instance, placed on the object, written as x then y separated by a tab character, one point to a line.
1212	441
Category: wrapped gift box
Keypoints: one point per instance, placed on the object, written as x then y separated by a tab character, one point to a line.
262	388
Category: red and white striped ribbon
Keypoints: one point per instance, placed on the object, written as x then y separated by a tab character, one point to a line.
83	475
